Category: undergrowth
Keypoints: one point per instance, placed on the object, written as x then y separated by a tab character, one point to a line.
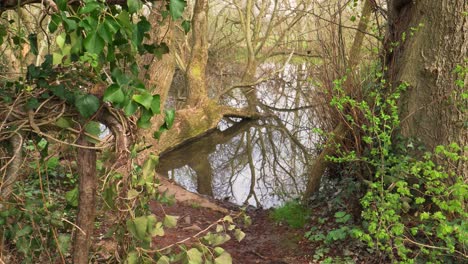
414	207
292	213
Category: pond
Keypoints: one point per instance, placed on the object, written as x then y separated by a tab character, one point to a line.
263	163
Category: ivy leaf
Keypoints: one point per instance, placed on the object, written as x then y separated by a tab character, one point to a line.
55	21
225	258
169	118
89	7
93	43
130	108
134	6
239	235
140	224
114	94
62	5
64	242
104	32
163	260
132	194
160	50
194	256
87	105
132	258
148	169
156	104
170	221
93	128
72	197
32	104
158	133
144	99
63	122
145	119
176	8
33	43
186	26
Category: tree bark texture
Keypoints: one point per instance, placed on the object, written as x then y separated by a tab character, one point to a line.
87	202
196	68
432	109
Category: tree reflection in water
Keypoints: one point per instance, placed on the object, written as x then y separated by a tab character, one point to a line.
263	162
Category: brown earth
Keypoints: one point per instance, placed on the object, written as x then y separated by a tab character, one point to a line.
265	241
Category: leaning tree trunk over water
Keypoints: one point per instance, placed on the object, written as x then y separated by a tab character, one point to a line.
432	109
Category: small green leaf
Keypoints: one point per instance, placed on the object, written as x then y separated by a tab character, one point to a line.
224	258
132	258
87	105
148	169
93	43
130	108
144	99
145	119
24	231
89	7
239	235
55	21
163	260
194	256
157	230
218	251
33	43
156	104
32	104
134	6
72	197
186	26
176	8
158	133
132	194
169	117
114	94
63	122
170	221
160	50
93	128
62	5
64	242
104	32
141	224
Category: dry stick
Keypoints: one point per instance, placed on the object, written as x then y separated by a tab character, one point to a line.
339	133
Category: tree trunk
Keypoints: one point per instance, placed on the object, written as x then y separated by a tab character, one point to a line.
196	68
87	202
432	109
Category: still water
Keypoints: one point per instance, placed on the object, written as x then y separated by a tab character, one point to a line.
263	163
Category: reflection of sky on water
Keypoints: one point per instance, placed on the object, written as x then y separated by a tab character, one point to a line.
280	148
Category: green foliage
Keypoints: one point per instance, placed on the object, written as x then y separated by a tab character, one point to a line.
34	224
414	208
293	213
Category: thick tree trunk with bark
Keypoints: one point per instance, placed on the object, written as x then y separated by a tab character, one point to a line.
196	69
432	109
87	202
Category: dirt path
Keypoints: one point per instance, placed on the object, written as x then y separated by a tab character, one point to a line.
265	241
